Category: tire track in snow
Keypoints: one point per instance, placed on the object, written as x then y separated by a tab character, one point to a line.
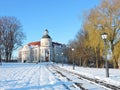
97	82
11	80
76	79
18	73
32	80
29	76
49	81
59	79
23	76
39	73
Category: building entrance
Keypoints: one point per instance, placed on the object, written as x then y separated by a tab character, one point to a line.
47	55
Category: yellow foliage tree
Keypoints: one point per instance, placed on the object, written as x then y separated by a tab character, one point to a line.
104	18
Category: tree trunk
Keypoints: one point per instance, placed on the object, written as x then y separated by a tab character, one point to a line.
7	56
10	55
0	60
96	61
116	64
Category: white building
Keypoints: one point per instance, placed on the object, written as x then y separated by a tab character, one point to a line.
43	50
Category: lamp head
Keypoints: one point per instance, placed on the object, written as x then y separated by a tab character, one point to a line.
73	49
104	36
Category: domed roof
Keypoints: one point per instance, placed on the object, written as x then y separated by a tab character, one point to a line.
46	34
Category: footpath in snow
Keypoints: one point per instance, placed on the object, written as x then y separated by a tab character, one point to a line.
96	73
31	76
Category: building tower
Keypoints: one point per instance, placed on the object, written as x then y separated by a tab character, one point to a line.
46	47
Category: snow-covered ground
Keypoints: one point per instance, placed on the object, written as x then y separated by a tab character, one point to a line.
27	77
99	73
31	76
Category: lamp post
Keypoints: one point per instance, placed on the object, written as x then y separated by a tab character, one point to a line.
73	58
57	58
39	55
62	59
0	61
104	37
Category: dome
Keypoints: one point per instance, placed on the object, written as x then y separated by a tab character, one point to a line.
46	34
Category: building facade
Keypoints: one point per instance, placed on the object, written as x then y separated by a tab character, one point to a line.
43	50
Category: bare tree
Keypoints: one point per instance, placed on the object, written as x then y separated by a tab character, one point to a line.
0	44
82	52
12	35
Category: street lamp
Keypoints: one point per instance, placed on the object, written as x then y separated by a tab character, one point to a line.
73	58
62	58
104	37
57	58
0	61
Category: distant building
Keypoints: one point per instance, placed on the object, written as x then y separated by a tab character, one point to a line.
43	50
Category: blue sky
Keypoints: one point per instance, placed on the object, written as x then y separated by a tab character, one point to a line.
63	18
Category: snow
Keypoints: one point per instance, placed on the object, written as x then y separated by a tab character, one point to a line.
98	73
27	77
31	76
